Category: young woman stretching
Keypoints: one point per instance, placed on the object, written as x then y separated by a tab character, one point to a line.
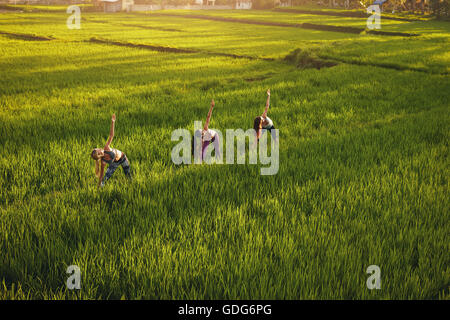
263	121
113	157
208	135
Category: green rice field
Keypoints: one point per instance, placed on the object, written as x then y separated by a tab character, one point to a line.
363	157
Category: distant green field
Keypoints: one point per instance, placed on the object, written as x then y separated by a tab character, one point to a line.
363	176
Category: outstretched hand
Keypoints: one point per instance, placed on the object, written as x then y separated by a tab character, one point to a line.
268	92
212	103
113	118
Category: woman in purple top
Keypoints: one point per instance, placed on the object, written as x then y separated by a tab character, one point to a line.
208	135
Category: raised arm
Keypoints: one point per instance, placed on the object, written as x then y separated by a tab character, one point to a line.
209	115
111	132
100	177
267	104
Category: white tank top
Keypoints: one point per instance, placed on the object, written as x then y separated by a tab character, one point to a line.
269	123
118	153
208	134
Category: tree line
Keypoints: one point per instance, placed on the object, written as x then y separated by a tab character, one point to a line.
438	8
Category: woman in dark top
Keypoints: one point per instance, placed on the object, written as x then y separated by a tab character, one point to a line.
113	157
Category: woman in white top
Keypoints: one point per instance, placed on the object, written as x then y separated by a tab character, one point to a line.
209	135
263	121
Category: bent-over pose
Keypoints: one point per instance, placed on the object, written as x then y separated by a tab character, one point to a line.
209	135
113	157
263	121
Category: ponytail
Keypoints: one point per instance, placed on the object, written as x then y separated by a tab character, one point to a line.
97	160
257	125
97	168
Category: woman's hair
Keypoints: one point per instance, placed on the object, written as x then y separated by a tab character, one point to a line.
94	154
97	160
257	124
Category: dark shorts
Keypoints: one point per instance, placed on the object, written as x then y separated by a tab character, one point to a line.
269	129
123	161
206	143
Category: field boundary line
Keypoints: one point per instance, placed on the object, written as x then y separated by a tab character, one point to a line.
172	49
235	56
141	46
348	14
383	65
26	36
159	48
321	27
134	25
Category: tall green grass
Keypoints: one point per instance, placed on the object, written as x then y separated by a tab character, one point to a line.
363	175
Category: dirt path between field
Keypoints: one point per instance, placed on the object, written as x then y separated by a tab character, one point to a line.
4	8
142	46
321	62
173	50
327	62
349	14
23	36
149	27
383	65
133	25
315	63
321	27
